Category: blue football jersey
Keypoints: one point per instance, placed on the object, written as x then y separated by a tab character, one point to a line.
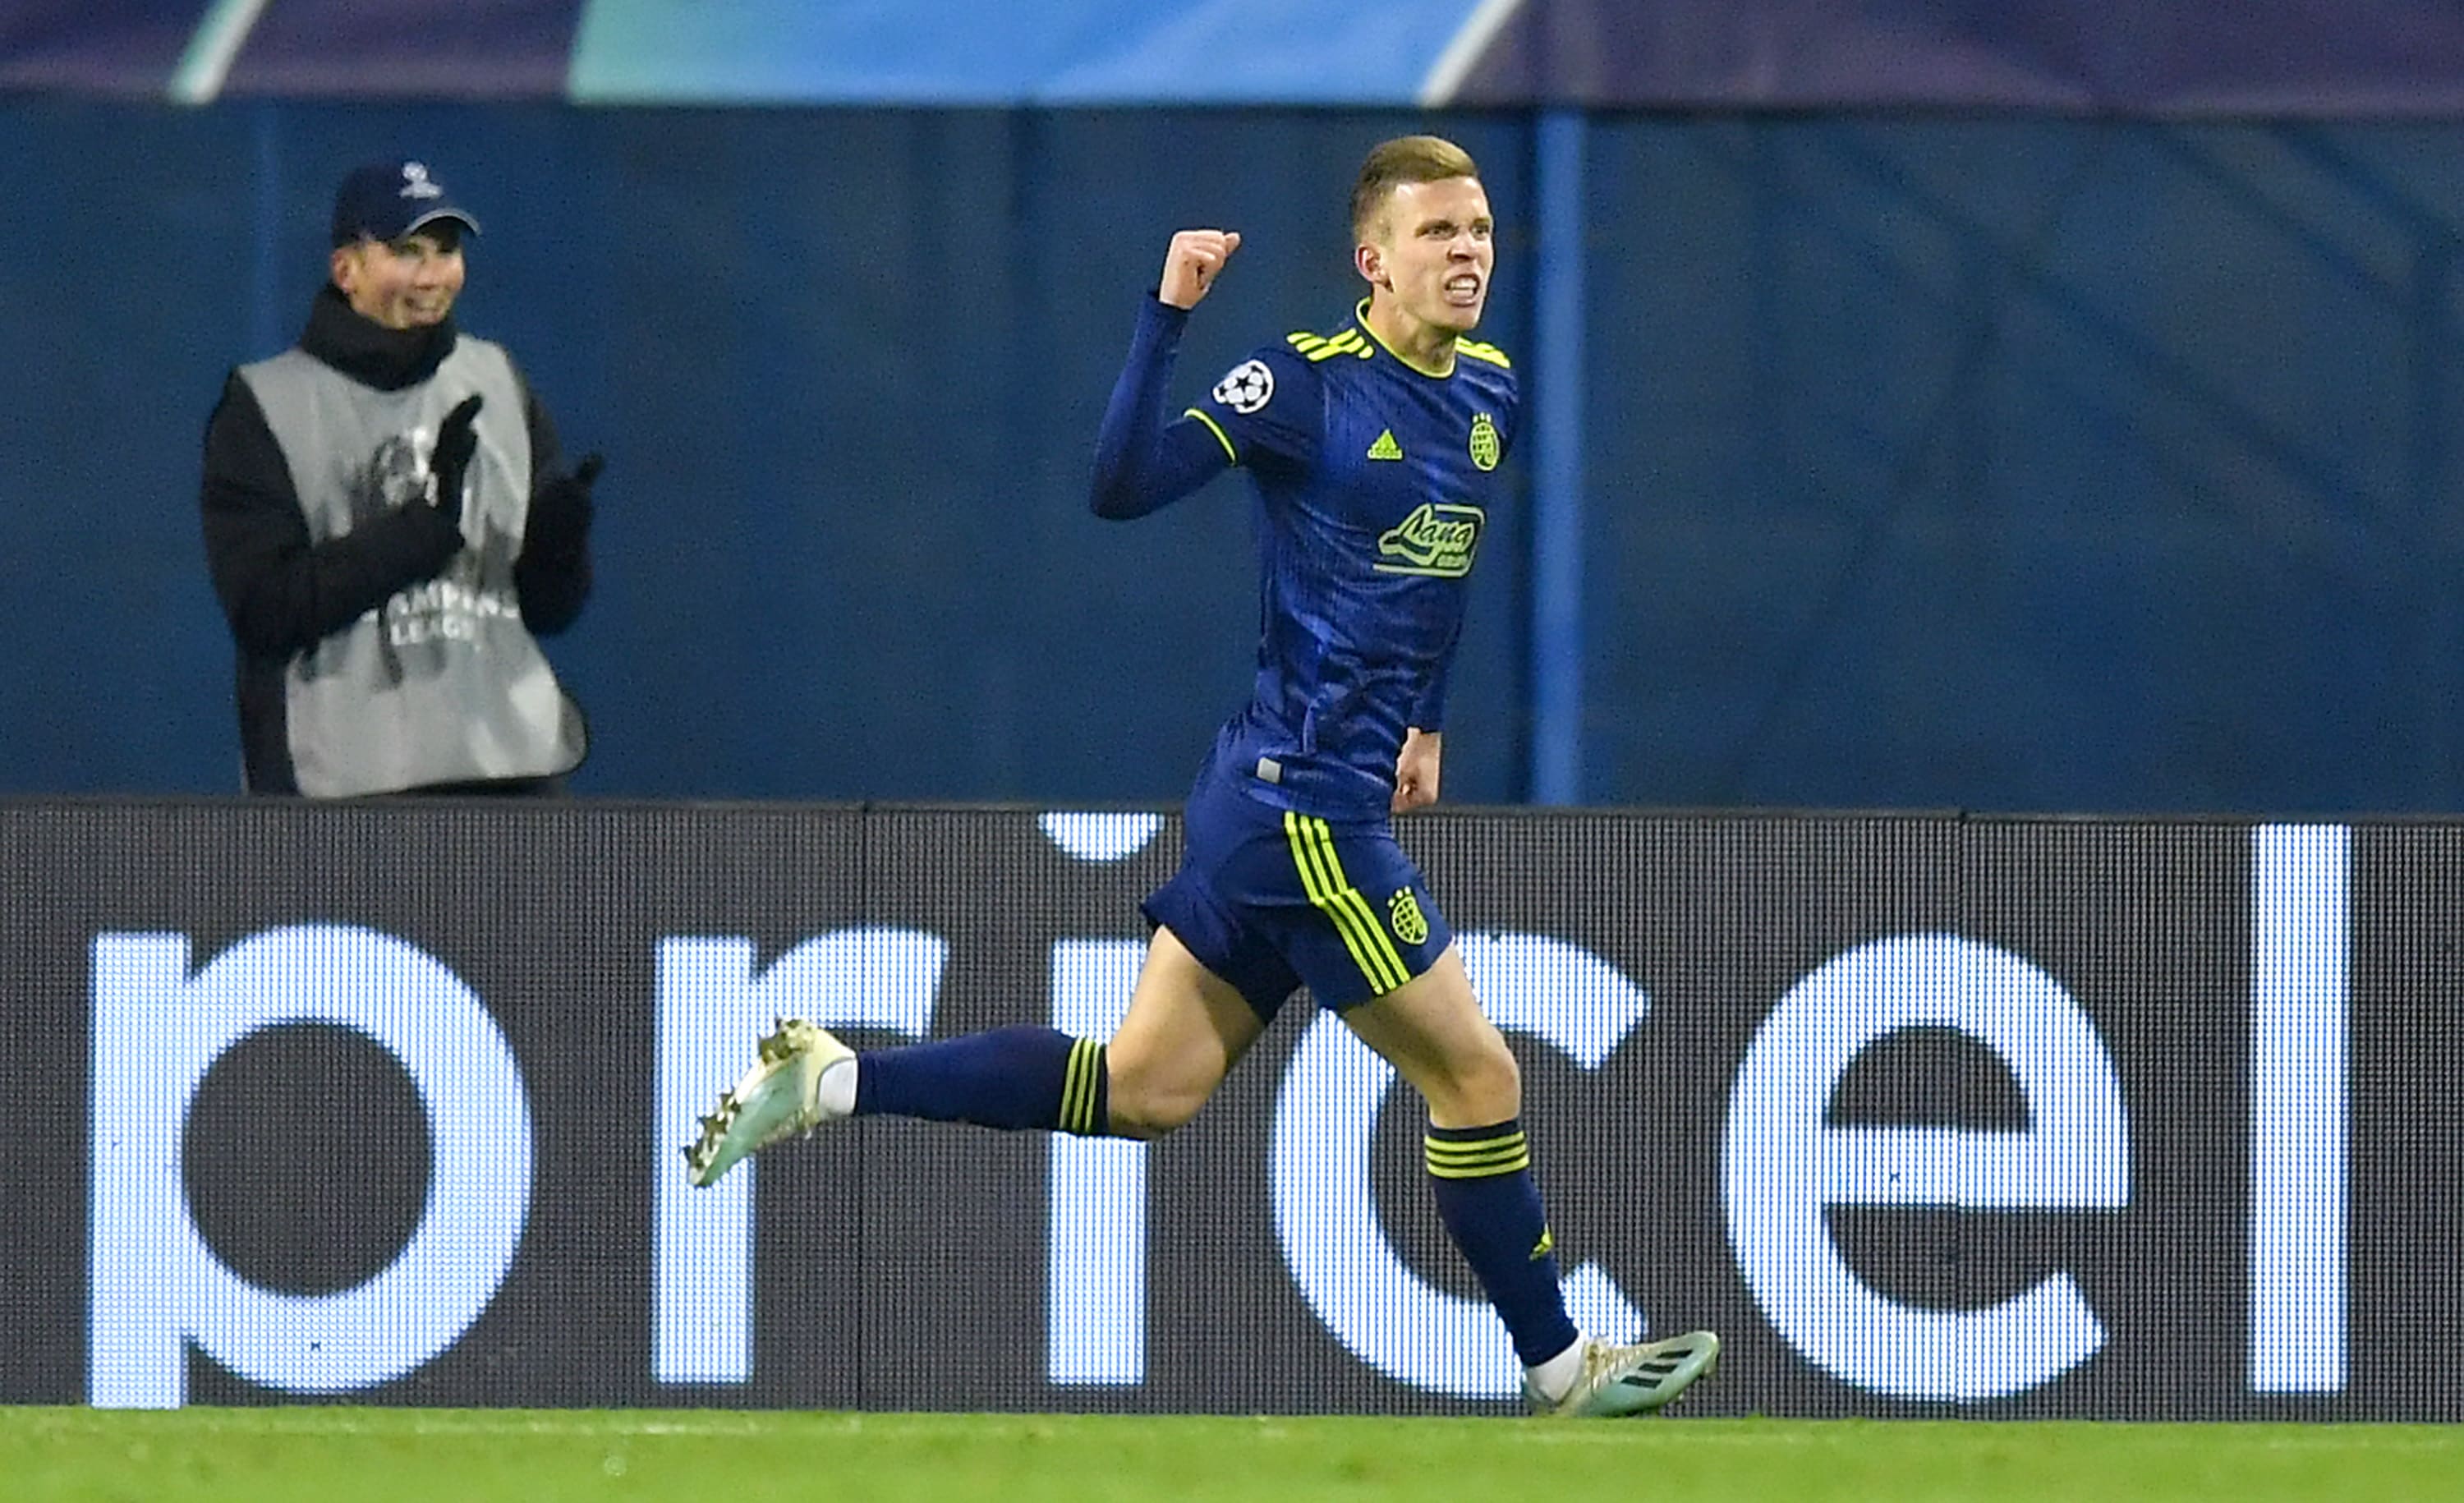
1375	484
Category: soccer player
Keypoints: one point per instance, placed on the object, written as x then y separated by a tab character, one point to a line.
1374	453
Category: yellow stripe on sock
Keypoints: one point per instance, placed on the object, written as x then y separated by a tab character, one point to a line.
1456	1147
1452	1158
1505	1158
1496	1162
1078	1087
1499	1150
1479	1171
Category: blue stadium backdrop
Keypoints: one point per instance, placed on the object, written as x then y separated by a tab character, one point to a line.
1929	1116
2022	407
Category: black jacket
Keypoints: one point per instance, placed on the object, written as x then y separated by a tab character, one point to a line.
282	593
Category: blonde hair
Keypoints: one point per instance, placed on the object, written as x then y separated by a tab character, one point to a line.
1406	159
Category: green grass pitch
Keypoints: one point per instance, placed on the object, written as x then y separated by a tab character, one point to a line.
334	1454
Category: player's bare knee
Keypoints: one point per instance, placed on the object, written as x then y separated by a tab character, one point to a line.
1476	1086
1139	1128
1146	1106
1151	1114
1494	1085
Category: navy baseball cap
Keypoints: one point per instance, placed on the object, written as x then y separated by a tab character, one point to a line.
388	200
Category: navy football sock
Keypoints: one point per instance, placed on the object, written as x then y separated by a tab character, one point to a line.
1491	1208
1017	1078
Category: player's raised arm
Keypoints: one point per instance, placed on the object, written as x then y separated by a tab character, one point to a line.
1142	461
1192	263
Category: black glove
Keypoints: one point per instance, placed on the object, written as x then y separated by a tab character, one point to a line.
560	504
450	459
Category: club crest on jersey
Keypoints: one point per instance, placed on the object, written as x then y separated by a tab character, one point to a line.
1485	449
1437	540
1403	911
1246	386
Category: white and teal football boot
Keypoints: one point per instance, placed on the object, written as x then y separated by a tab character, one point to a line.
778	1098
1641	1379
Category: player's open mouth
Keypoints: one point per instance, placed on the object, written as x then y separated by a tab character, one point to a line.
1462	289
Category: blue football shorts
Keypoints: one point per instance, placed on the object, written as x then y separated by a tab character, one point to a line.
1271	900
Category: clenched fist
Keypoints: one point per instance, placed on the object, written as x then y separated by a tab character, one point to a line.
1191	265
1415	769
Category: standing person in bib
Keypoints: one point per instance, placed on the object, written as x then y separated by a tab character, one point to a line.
390	528
1372	451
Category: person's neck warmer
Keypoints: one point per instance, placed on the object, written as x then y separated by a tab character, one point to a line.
368	351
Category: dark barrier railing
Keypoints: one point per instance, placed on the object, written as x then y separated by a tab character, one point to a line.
1927	1113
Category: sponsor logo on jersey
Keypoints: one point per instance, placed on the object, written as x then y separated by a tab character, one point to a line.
1246	386
1386	448
1485	449
1438	538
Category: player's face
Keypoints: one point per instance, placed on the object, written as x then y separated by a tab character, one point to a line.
410	283
1434	251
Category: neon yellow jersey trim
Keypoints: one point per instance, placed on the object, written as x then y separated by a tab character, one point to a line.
1217	429
1488	354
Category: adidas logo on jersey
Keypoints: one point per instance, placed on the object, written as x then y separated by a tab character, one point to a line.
1386	448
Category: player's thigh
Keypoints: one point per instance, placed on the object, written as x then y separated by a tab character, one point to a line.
1431	1029
1186	1028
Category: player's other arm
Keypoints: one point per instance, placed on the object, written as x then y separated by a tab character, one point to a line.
1144	462
1415	766
1415	769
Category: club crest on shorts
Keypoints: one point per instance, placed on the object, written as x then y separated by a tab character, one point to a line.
1403	913
1246	386
1485	449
